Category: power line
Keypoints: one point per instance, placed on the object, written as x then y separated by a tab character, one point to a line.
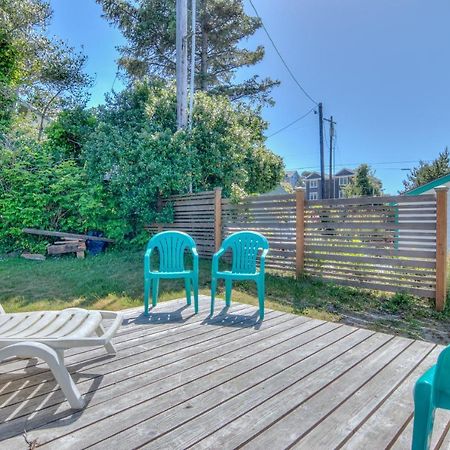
291	123
281	57
369	163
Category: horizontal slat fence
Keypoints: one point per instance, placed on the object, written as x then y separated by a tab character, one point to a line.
274	216
395	243
382	243
194	214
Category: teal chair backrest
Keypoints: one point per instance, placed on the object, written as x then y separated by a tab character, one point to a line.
171	246
441	383
245	246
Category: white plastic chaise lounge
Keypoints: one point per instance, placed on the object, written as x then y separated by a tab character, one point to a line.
46	334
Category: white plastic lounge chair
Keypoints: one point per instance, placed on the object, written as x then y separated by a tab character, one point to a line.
46	334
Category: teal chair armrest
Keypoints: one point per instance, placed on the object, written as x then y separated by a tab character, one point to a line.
263	260
215	261
195	258
147	257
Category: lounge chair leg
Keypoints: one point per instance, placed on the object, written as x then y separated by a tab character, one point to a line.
213	293
109	347
60	355
187	285
50	356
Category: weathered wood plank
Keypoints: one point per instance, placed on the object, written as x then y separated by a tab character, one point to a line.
61	234
130	355
134	384
382	427
179	414
172	320
311	407
362	402
165	383
287	381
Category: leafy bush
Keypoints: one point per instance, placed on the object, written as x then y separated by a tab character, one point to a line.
108	168
36	191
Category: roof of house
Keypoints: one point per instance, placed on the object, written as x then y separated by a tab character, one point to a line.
313	176
431	185
344	172
290	173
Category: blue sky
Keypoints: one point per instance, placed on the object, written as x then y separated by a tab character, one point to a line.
380	68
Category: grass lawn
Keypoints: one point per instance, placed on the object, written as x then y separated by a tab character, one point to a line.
114	281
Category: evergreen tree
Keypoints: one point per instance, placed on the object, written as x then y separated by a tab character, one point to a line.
427	172
44	73
150	29
364	183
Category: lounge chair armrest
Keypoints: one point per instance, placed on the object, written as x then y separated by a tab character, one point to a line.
118	319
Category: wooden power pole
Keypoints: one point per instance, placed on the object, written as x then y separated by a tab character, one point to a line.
331	193
182	63
322	157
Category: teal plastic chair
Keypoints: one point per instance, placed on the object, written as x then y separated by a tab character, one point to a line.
171	246
432	391
245	246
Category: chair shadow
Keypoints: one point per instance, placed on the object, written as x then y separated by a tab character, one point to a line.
161	317
225	319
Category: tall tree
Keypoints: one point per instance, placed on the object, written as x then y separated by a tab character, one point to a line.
48	74
222	25
427	172
364	183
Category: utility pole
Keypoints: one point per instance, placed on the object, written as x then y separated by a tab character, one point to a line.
322	157
181	65
192	82
332	191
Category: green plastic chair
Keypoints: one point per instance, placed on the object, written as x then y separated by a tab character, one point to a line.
432	391
171	246
245	246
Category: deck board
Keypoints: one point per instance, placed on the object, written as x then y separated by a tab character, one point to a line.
181	380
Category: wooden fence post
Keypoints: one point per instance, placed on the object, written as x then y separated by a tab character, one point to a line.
441	246
217	218
300	231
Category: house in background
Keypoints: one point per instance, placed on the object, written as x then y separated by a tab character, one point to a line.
293	178
313	184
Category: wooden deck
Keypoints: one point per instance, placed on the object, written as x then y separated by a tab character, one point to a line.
182	381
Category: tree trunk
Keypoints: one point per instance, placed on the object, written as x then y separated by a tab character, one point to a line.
204	50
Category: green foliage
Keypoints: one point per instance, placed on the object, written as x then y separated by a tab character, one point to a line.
108	169
69	132
35	191
364	183
427	172
228	148
9	77
149	26
140	157
48	74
